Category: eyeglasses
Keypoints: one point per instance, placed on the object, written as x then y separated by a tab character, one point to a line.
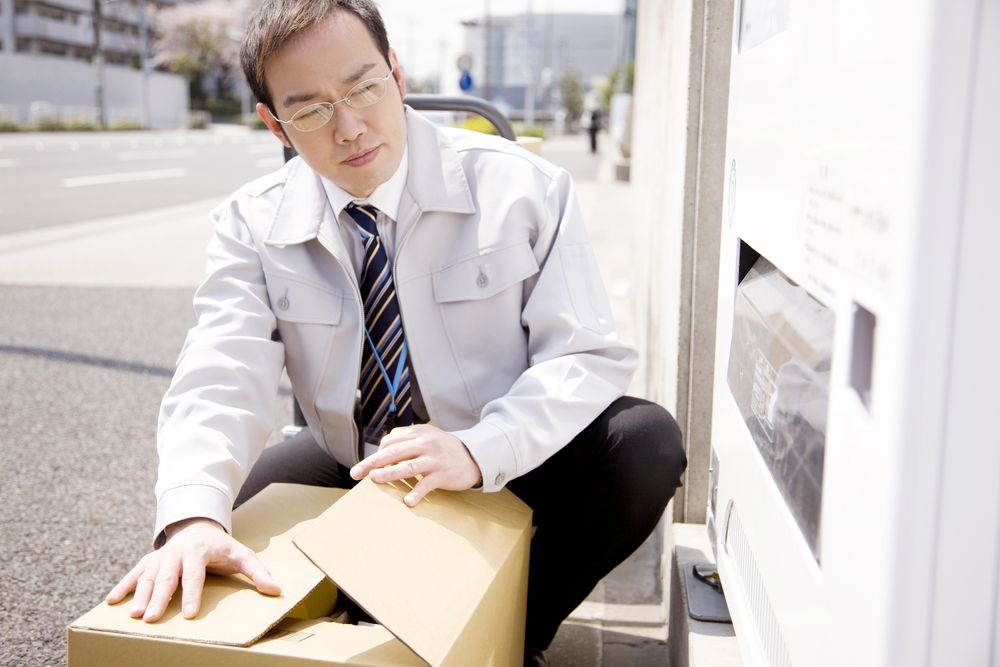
315	116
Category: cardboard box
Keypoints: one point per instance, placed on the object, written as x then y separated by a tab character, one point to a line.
447	580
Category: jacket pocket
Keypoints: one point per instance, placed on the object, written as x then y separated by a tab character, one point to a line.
481	299
295	301
484	275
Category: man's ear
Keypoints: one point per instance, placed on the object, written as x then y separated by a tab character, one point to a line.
277	129
397	73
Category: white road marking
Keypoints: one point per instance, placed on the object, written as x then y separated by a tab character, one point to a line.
270	162
127	177
9	162
164	154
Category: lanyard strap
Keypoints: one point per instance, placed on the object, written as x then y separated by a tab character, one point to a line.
392	385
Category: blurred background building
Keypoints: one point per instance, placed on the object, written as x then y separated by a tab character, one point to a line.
525	61
48	67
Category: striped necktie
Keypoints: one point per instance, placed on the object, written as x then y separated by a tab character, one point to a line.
385	376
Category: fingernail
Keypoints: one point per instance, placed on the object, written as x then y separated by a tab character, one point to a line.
189	609
355	471
410	499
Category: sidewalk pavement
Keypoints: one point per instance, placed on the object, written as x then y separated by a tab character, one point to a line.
97	310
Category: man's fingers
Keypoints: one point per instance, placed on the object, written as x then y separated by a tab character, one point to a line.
398	435
192	583
423	487
251	566
166	582
382	458
402	470
143	590
126	585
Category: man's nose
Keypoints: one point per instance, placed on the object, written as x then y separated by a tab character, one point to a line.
348	124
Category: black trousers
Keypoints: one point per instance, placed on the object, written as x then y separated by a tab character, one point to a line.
594	501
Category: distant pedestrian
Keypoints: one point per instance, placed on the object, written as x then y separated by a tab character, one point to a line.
594	127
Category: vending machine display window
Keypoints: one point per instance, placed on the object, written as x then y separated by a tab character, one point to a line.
779	375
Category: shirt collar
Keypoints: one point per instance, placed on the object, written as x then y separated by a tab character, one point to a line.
385	197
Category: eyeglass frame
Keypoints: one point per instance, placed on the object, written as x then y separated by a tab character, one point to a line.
333	105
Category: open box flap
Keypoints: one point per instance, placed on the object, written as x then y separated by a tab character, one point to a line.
421	572
232	611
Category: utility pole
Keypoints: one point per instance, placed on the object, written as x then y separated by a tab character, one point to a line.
487	26
102	116
147	116
529	89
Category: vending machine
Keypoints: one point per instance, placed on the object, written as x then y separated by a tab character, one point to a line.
855	498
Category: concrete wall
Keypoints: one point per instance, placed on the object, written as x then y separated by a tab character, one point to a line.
678	151
47	86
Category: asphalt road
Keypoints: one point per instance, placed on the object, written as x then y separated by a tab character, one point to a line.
83	368
60	178
55	179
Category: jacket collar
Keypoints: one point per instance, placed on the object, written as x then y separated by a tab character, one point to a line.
436	182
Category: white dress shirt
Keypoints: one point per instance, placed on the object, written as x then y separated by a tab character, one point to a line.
385	198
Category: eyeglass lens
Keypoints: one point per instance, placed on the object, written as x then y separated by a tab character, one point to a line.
364	94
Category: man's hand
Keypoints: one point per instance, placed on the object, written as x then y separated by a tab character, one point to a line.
441	459
193	546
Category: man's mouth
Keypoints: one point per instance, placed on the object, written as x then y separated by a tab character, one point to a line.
362	158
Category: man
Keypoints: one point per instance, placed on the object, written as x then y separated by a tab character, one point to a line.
593	127
436	304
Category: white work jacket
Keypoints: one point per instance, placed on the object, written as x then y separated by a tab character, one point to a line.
509	329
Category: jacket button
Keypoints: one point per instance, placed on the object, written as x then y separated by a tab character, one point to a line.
283	303
500	479
482	280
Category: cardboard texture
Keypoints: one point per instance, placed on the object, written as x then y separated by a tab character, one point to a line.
448	577
429	573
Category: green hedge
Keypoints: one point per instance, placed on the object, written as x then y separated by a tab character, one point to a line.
480	124
67	125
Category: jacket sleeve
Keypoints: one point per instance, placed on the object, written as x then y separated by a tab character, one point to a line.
220	407
577	365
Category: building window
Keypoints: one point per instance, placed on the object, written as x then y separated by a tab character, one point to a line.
52	49
50	12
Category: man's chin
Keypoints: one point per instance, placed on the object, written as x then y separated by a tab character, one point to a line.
359	188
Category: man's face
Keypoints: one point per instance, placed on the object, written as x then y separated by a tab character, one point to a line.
358	149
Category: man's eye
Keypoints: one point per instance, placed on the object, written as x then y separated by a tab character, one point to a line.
307	114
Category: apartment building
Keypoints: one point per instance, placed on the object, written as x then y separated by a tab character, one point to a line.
65	28
47	66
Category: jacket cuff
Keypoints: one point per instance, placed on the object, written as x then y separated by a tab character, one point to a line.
187	502
493	453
